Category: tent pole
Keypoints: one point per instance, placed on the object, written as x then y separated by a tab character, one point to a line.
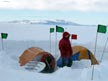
55	43
95	44
71	41
94	55
50	42
104	50
2	44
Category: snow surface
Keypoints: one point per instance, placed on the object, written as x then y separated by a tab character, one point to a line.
23	36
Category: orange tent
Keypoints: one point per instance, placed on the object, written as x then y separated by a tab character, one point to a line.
30	54
80	52
38	55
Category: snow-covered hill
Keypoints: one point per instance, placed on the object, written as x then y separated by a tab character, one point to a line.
48	22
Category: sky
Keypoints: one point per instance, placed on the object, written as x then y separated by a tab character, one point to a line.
79	11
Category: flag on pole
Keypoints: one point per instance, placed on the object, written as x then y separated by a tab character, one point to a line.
51	30
59	29
74	36
102	29
4	35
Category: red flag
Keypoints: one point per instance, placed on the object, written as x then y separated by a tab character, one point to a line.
74	36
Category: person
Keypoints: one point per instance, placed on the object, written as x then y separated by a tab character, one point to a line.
65	50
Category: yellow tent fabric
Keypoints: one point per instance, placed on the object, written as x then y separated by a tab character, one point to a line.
84	53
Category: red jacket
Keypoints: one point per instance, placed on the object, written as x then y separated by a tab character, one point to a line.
65	46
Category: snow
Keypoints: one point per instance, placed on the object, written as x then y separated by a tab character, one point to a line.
23	36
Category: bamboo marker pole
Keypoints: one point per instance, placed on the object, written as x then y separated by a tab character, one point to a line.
2	45
104	50
92	77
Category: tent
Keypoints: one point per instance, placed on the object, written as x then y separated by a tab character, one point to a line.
30	54
38	55
80	52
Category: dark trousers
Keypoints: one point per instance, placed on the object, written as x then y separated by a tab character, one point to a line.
66	62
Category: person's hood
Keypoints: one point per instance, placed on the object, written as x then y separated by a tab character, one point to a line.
66	35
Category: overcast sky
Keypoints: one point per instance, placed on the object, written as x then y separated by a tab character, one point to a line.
82	11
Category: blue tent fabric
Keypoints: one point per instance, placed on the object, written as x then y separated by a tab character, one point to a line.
90	57
89	54
59	61
76	56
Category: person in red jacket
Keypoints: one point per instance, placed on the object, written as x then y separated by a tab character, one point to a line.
65	50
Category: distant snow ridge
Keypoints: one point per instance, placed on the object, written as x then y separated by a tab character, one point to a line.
47	22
